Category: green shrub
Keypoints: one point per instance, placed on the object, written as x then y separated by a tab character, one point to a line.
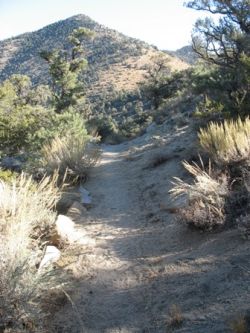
19	127
208	108
70	123
227	142
7	175
26	120
104	127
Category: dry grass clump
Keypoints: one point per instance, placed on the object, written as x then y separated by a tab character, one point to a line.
71	155
205	197
175	316
227	142
27	206
26	218
239	325
222	195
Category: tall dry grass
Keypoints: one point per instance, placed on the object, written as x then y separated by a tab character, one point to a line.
26	217
227	142
71	155
205	197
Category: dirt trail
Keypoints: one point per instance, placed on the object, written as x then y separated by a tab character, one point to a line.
140	261
113	271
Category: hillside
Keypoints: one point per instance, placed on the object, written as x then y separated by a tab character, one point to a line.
112	56
117	64
185	54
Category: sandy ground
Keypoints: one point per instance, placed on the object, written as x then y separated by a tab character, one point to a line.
140	261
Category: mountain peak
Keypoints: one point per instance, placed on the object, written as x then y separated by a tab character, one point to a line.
79	17
109	52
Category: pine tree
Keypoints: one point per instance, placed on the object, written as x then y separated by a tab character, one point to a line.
65	68
225	43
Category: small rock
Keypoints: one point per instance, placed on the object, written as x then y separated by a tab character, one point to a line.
67	200
179	149
67	231
155	219
64	227
76	209
52	254
85	196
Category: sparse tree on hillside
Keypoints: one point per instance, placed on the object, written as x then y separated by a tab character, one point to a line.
65	68
155	77
161	83
225	43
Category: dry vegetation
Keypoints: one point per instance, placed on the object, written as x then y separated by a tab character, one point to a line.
128	75
175	316
71	156
26	221
227	142
239	325
205	197
222	194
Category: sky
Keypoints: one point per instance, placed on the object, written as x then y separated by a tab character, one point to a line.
164	23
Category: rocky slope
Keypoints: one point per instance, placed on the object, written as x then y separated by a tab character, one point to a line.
112	56
117	66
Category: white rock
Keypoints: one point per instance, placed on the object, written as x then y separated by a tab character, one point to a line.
67	231
52	254
65	227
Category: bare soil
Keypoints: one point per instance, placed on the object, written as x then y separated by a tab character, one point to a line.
140	261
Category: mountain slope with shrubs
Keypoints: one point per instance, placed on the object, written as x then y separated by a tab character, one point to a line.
165	243
111	55
117	65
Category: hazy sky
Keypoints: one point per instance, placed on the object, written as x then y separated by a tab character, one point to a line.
164	23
